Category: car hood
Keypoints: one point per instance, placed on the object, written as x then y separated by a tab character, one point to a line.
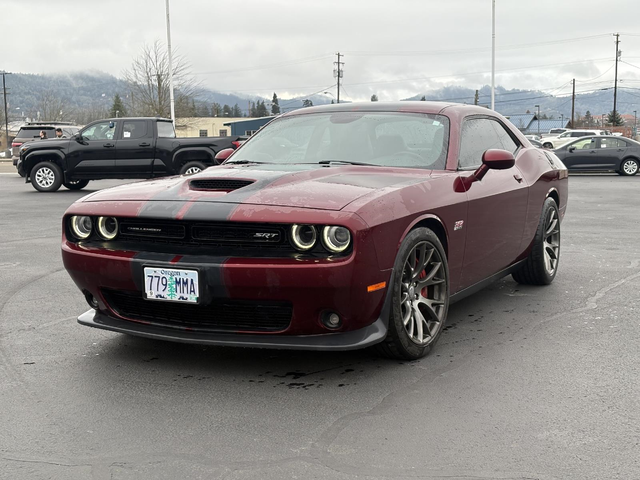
48	143
303	186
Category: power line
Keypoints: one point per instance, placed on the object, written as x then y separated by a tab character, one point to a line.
267	66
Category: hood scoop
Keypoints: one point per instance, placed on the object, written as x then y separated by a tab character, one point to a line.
218	184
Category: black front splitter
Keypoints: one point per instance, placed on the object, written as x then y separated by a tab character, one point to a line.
362	338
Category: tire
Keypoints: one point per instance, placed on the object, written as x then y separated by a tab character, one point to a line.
406	337
190	168
541	265
629	167
76	184
46	177
547	145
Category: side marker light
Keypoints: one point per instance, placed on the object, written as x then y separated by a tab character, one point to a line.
377	286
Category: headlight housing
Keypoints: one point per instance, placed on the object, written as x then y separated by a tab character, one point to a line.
336	239
81	226
303	237
107	227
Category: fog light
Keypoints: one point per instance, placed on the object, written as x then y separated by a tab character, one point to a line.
91	300
331	320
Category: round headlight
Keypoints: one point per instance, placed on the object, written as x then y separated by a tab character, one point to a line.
336	239
107	227
303	237
81	226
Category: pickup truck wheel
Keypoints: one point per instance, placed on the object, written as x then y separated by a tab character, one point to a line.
190	168
46	177
76	184
547	145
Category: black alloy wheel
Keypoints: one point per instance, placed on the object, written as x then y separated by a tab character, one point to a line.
420	295
46	177
541	266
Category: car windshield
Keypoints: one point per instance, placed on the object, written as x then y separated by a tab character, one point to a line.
375	138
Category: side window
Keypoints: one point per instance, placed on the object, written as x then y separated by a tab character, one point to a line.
133	129
478	136
612	143
507	142
579	134
100	131
564	135
583	144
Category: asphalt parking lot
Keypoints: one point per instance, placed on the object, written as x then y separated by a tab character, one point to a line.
526	382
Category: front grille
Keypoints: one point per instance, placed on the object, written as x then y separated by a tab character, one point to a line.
237	233
219	184
221	315
155	230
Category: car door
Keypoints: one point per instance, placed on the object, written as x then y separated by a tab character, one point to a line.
497	203
579	154
610	152
93	153
135	150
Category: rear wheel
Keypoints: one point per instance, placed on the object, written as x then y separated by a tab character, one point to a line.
541	265
46	177
629	167
76	184
420	295
547	145
190	168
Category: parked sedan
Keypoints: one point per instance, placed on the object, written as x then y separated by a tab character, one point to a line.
333	228
601	153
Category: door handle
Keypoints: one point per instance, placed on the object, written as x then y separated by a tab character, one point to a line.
592	151
144	144
518	178
108	145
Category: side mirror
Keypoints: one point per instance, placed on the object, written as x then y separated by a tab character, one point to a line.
571	149
494	159
79	138
222	155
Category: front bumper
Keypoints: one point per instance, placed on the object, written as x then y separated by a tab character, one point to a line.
361	338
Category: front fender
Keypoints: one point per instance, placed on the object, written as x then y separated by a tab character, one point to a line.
30	159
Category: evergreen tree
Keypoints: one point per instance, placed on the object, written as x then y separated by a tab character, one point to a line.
202	110
423	99
261	110
275	105
588	118
252	110
118	109
307	103
374	98
236	112
617	121
332	101
216	110
226	110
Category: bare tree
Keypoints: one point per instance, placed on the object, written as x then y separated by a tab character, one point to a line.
148	80
49	107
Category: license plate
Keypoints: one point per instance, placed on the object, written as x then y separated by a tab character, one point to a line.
171	285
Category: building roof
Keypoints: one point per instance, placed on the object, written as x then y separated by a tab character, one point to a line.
521	120
546	125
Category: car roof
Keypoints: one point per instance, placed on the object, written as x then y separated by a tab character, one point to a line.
408	107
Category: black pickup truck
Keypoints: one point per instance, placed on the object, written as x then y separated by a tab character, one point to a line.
117	148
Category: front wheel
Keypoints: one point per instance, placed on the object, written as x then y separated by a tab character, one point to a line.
420	295
629	167
190	168
541	265
76	184
547	145
46	177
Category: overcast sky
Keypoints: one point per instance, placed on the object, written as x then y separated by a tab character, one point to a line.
393	48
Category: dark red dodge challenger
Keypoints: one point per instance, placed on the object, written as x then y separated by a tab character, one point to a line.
333	228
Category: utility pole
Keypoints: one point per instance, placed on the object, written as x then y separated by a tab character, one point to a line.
338	73
171	99
476	98
493	55
538	107
6	116
573	102
615	83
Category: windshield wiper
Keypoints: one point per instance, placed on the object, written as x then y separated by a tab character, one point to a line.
345	162
243	162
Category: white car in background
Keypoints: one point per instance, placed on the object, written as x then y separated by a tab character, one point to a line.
566	137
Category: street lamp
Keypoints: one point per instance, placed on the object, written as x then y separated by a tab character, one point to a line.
329	93
538	107
635	123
